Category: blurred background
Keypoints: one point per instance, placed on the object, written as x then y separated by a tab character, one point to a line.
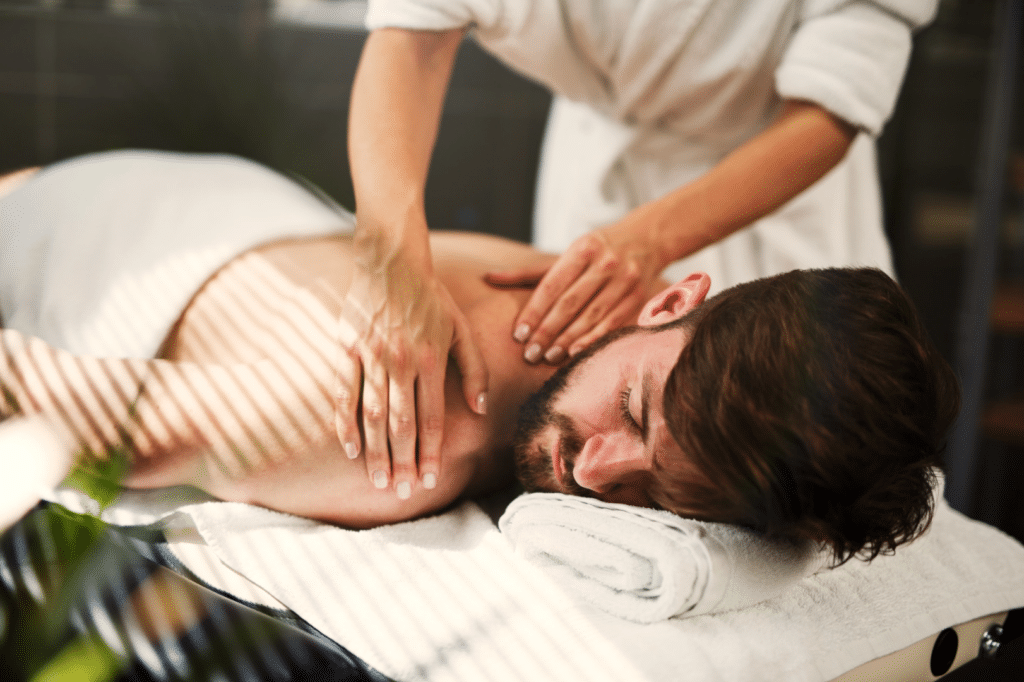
270	80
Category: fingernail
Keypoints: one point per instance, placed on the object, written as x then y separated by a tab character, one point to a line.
532	353
522	332
404	490
554	354
351	451
380	480
429	481
481	404
574	350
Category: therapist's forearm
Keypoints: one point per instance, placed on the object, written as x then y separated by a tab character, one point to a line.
803	144
397	97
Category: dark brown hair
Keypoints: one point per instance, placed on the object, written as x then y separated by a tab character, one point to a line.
814	406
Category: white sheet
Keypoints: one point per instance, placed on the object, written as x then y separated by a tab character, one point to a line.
100	254
447	598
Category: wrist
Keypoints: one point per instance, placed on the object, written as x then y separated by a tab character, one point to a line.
660	232
401	239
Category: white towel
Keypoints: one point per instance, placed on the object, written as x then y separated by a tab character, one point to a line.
647	565
447	598
100	254
442	598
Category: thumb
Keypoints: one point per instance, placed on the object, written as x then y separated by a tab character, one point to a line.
471	365
527	276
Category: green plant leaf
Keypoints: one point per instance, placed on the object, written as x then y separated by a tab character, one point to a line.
100	477
86	659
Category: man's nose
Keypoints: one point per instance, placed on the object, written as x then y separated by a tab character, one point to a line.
605	460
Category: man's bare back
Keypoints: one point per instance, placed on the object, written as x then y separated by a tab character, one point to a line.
279	304
238	401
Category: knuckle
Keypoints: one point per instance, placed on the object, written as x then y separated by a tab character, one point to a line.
595	314
610	263
374	454
590	246
398	356
373	413
548	288
567	306
404	470
345	398
403	427
375	348
432	426
350	351
427	359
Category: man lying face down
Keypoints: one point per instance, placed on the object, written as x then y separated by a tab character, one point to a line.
808	405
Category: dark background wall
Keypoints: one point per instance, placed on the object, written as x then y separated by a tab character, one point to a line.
225	75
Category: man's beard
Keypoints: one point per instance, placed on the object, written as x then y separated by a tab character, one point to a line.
533	463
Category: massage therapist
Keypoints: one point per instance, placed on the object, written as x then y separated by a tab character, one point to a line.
731	137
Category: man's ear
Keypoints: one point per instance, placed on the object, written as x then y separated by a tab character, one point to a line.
675	301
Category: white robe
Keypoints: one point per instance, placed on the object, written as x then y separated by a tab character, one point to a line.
650	94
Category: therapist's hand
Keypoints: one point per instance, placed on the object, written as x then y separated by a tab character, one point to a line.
398	325
600	283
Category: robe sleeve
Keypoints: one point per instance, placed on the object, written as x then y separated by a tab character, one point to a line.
850	57
433	15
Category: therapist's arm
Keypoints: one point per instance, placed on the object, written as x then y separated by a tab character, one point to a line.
11	181
405	321
803	144
605	276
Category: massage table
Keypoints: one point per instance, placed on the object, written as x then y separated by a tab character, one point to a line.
941	653
448	597
160	641
135	590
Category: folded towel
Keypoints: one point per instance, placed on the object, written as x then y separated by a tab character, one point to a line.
648	565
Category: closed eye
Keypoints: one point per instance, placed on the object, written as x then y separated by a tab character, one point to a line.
627	416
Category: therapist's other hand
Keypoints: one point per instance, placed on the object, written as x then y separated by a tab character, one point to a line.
398	325
600	283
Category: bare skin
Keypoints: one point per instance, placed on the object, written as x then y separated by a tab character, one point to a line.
239	400
310	278
239	403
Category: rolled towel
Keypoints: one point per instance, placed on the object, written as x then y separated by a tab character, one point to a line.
648	565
